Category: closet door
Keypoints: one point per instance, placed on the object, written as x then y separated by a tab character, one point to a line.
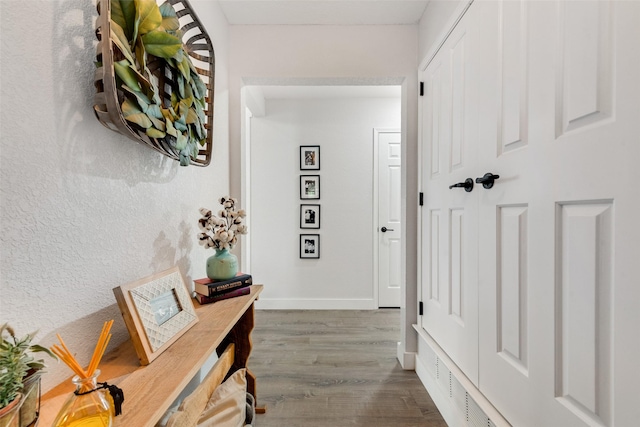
450	215
559	235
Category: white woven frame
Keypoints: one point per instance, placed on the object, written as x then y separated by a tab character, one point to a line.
149	338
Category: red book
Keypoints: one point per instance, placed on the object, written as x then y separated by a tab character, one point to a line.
231	294
211	288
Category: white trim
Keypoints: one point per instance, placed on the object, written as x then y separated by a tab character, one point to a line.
315	304
407	359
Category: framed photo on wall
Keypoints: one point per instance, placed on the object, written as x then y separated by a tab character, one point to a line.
309	187
309	246
309	157
309	216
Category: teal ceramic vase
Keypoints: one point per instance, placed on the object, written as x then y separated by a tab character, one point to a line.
222	266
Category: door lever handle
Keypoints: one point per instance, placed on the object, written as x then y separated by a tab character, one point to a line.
487	180
467	185
385	229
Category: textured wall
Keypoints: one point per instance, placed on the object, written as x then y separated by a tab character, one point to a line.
84	209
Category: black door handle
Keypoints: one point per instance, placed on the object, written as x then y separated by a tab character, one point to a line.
385	229
487	180
467	185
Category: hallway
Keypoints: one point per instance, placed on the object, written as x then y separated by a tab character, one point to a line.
335	369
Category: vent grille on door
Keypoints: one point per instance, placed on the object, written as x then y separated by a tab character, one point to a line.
459	398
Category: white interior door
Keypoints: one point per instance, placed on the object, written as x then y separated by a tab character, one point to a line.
559	232
389	218
450	215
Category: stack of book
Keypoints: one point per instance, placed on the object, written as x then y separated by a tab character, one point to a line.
208	290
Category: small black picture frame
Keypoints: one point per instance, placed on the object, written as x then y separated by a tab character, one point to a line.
309	216
309	157
309	187
309	246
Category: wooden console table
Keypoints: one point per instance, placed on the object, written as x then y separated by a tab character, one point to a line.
150	390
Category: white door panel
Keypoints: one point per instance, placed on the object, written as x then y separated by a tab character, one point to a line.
390	217
547	290
449	217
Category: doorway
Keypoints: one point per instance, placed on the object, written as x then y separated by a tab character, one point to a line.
338	120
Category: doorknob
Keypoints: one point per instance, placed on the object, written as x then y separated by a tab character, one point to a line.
385	229
487	180
467	185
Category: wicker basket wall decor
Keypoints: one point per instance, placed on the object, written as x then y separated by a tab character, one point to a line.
109	97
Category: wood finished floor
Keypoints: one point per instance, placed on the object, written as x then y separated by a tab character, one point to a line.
335	369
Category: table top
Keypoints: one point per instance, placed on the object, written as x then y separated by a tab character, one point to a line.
150	390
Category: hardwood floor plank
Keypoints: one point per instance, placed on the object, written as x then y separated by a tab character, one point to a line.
335	368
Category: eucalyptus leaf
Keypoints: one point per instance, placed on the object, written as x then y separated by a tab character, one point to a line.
180	125
183	66
132	114
180	80
170	129
192	116
142	99
124	13
181	142
169	114
185	159
167	11
120	40
202	88
197	129
126	74
188	96
170	22
175	102
148	17
157	123
161	44
155	133
155	111
183	110
141	56
180	55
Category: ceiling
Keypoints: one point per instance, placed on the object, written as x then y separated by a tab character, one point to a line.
323	12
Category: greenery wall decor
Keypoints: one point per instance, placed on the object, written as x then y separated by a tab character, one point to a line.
148	87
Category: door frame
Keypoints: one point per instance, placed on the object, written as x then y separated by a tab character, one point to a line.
376	198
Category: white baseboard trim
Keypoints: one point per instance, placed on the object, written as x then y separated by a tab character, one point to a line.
407	359
315	304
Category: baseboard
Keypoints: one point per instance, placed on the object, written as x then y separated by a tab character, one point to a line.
315	304
457	398
407	359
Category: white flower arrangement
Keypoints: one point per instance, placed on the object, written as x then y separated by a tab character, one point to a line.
222	231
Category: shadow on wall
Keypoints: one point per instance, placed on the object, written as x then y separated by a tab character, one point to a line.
81	336
166	256
85	146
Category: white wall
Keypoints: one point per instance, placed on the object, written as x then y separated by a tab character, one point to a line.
343	128
84	209
438	18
